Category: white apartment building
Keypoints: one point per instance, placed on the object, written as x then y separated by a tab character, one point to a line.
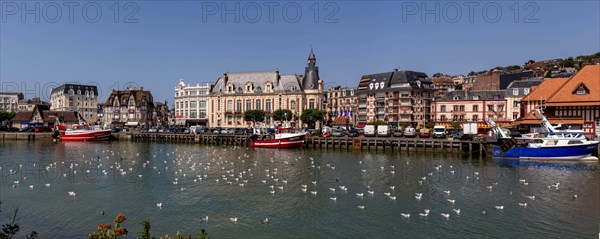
9	101
191	104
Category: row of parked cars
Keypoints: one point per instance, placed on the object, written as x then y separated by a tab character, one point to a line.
409	131
39	128
198	130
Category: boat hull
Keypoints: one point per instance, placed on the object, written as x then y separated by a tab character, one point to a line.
87	135
292	142
570	152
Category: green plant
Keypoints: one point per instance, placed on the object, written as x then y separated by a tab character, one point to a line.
254	116
378	122
429	125
456	125
311	116
105	230
282	115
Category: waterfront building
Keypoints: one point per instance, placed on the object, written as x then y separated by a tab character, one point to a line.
163	114
572	102
341	102
515	91
9	101
498	80
396	96
442	85
470	106
235	93
132	107
75	97
191	104
29	105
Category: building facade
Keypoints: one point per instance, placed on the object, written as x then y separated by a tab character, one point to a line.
132	107
74	97
470	106
235	93
515	92
341	101
9	101
394	97
191	104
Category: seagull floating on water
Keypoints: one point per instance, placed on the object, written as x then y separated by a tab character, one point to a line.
524	204
500	207
265	221
446	215
405	215
233	219
159	205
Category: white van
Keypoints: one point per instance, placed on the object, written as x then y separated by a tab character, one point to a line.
384	131
370	130
439	131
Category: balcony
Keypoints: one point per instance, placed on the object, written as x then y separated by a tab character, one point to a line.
405	103
405	112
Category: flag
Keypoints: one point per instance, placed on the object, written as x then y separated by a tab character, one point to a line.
350	113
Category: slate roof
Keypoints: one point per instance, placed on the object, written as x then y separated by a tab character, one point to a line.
138	94
64	116
520	85
66	87
416	80
286	83
506	79
469	95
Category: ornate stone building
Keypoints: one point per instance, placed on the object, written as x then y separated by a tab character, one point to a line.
132	107
235	93
9	101
73	97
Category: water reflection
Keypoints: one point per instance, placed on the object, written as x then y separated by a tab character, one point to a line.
192	181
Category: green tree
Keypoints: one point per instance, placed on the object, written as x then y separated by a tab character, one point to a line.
311	116
456	125
6	116
282	115
569	62
429	125
404	124
254	116
548	74
378	122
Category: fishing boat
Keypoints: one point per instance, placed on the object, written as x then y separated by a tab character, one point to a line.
82	131
556	144
284	137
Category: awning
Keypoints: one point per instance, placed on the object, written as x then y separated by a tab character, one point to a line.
132	124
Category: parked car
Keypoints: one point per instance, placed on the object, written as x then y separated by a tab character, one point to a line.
370	130
384	131
161	130
152	130
398	132
353	133
42	129
455	135
410	132
439	131
217	130
225	131
339	132
424	133
515	134
4	128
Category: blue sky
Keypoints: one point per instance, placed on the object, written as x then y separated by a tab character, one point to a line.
189	40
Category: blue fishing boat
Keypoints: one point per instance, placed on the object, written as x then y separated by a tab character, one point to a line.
556	144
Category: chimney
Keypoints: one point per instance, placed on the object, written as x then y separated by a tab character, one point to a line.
225	78
141	88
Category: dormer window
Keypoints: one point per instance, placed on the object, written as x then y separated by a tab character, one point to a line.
475	97
456	97
230	88
581	90
526	91
249	87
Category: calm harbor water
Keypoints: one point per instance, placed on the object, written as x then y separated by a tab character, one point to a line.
254	184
